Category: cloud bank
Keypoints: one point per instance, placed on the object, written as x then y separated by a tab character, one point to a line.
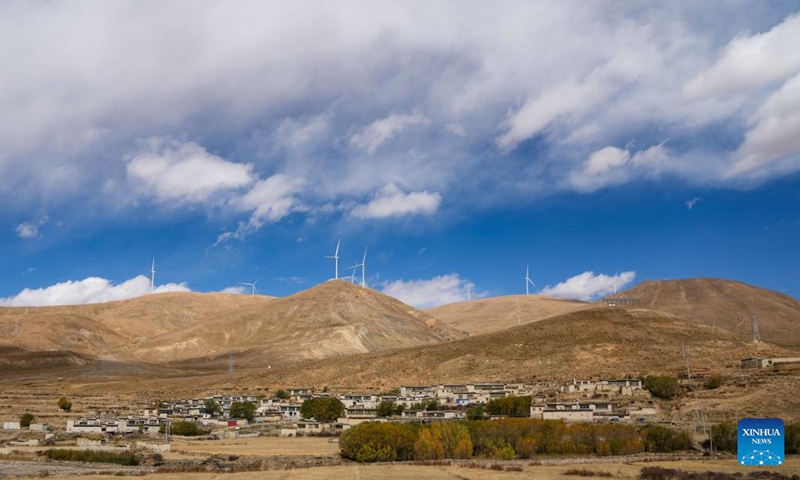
255	111
589	286
88	290
439	290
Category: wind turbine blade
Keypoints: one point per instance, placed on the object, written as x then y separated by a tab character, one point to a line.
337	248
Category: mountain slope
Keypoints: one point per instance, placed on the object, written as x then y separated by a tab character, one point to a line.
725	304
98	329
332	319
499	313
595	342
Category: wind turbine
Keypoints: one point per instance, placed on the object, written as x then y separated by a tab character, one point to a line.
252	285
363	266
153	276
528	280
352	276
335	258
470	297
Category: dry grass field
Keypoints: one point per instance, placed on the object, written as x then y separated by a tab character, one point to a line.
260	446
417	472
725	304
489	315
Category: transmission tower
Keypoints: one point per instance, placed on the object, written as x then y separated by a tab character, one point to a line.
756	335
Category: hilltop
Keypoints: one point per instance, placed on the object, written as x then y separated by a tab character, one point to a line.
499	313
725	304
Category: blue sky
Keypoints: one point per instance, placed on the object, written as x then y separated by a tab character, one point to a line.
603	144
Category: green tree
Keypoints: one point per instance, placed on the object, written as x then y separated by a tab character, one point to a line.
664	387
476	413
244	410
323	409
211	407
282	394
511	406
64	404
427	404
26	419
386	409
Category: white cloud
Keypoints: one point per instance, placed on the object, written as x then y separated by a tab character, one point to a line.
691	203
390	201
775	134
88	290
185	171
613	166
27	230
383	130
751	61
537	113
269	201
238	289
439	290
588	286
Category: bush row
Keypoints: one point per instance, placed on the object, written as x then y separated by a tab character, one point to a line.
503	439
92	456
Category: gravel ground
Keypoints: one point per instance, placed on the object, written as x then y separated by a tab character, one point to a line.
15	468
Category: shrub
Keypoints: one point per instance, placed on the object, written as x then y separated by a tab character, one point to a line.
664	387
26	419
184	428
714	382
64	404
725	437
92	456
322	409
282	395
661	439
792	439
585	472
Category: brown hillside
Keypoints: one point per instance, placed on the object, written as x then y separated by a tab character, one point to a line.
332	319
725	304
499	313
98	329
597	342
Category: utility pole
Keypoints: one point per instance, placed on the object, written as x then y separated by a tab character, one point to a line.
687	356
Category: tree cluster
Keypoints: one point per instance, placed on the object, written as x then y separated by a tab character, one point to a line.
322	409
244	410
503	439
661	386
510	406
389	409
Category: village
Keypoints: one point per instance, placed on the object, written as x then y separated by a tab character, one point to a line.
573	401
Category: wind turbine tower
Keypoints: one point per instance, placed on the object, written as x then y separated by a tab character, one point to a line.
363	266
528	280
756	334
153	276
335	258
251	285
470	297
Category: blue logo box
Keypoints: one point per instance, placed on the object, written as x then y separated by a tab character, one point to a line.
761	442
